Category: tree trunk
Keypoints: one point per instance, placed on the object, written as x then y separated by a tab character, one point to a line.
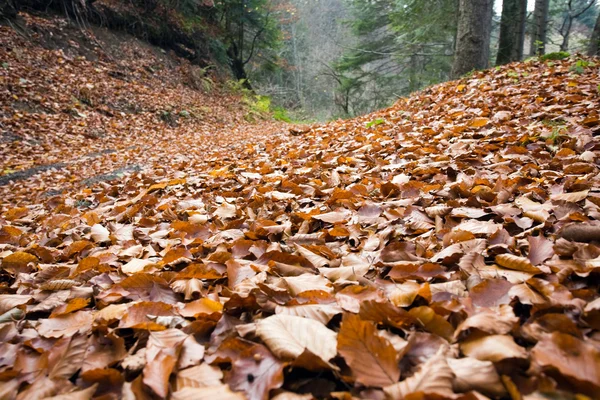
564	46
510	46
594	47
238	67
540	26
8	9
473	36
522	28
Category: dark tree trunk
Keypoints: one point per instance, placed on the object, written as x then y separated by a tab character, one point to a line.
594	47
473	36
510	46
540	27
8	9
238	67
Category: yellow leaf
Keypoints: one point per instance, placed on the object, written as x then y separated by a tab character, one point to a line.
479	122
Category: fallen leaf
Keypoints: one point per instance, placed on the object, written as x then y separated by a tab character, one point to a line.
289	336
371	358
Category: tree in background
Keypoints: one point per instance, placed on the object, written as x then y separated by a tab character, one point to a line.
401	46
570	11
539	27
313	37
473	36
594	46
249	27
512	31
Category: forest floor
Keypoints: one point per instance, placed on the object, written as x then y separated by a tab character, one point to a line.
154	243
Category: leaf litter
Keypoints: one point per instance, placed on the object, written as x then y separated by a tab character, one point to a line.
449	252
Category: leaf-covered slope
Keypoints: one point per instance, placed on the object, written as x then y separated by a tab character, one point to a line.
81	108
448	250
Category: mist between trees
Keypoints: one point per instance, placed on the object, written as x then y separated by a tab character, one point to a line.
339	58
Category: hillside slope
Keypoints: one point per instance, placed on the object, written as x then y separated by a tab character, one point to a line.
447	247
79	109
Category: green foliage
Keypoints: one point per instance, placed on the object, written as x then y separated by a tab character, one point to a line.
580	65
539	45
258	106
402	46
557	135
262	104
559	55
249	28
281	114
200	79
375	122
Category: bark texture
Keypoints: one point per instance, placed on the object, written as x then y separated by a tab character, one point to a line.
473	36
540	27
594	47
512	31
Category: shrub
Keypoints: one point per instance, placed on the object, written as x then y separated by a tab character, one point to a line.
559	55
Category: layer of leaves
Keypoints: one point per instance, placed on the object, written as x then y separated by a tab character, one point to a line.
451	251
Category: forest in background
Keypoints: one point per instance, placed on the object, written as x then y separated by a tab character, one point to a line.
324	59
342	58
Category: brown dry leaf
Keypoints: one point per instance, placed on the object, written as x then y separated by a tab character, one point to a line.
192	353
202	306
492	348
403	295
526	294
19	262
100	234
221	392
66	356
572	197
434	377
334	217
83	394
66	325
574	359
289	336
540	249
473	374
371	358
454	252
319	312
202	375
479	122
477	227
306	282
73	305
143	286
162	353
112	313
142	315
432	322
255	372
135	265
178	256
500	320
516	263
344	273
10	301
